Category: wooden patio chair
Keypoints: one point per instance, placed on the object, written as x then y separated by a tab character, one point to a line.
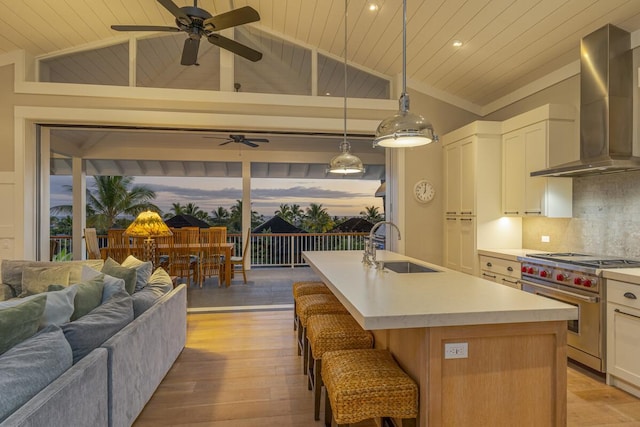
91	241
184	262
236	260
164	251
117	244
211	254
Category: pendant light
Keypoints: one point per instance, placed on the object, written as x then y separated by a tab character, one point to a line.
345	163
404	129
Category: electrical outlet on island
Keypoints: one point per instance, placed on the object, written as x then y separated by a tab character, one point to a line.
545	239
456	350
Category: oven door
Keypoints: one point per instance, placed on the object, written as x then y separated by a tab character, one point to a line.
584	333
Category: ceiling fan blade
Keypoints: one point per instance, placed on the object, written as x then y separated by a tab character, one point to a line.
175	11
144	28
235	47
226	142
243	15
249	143
258	139
190	51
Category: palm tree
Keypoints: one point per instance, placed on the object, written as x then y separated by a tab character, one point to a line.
235	218
220	216
110	198
194	210
297	214
176	209
317	220
372	214
284	212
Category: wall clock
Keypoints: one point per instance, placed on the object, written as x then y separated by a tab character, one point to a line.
424	191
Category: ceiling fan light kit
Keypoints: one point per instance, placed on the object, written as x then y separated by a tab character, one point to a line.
345	163
197	23
404	129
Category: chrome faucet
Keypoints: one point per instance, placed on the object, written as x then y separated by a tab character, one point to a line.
369	257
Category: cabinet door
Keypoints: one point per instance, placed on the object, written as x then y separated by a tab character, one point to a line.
512	173
467	238
452	243
452	179
467	177
535	154
623	343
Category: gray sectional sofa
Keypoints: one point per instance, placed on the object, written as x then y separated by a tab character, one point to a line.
112	383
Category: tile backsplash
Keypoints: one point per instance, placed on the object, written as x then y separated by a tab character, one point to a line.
606	218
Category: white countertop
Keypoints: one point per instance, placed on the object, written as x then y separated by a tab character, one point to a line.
509	254
388	300
630	275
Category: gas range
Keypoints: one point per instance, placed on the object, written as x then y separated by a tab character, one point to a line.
575	270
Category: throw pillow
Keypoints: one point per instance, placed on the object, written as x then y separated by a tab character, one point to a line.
57	309
92	330
129	275
30	366
159	284
143	270
36	280
20	322
88	297
112	284
161	279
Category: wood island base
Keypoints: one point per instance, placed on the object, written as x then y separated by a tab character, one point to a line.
515	373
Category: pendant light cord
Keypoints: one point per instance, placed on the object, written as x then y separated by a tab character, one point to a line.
346	4
404	47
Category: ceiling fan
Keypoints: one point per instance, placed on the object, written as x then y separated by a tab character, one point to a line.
197	23
240	139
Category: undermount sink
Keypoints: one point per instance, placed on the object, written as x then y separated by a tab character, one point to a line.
407	267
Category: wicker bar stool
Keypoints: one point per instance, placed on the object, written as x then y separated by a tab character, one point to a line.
309	305
306	288
364	384
330	332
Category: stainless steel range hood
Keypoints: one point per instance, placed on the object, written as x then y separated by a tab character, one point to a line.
606	107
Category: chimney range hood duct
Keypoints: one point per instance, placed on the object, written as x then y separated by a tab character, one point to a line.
606	107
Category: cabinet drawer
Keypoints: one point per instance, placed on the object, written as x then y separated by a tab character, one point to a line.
512	282
500	266
623	293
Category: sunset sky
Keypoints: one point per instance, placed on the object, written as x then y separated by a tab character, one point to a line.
340	197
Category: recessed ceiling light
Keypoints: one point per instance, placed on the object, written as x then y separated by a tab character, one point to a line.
457	43
373	6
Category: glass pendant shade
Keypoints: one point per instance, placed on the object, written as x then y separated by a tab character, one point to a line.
345	163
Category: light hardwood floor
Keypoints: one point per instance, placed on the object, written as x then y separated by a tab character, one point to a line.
241	370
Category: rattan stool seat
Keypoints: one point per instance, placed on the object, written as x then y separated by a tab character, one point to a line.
307	306
331	332
364	384
306	288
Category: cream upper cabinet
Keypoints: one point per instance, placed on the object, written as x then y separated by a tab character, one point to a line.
535	141
472	183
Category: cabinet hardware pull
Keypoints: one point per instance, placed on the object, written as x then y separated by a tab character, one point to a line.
511	212
626	314
532	212
451	219
511	281
466	213
509	268
489	264
630	295
450	213
488	275
466	219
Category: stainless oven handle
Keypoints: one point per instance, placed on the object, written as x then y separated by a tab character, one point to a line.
570	294
626	314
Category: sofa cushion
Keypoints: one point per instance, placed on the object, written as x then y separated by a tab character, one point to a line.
129	275
20	322
91	330
159	284
88	297
143	270
58	308
36	280
112	284
30	366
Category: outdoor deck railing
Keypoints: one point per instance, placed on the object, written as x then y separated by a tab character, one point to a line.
267	249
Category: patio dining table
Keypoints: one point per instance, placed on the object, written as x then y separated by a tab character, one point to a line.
226	247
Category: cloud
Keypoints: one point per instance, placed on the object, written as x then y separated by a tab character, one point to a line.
305	193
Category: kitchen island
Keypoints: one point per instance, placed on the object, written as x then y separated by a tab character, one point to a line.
515	369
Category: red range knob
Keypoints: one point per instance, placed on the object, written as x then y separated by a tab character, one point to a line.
561	277
577	281
588	283
530	270
544	273
523	269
